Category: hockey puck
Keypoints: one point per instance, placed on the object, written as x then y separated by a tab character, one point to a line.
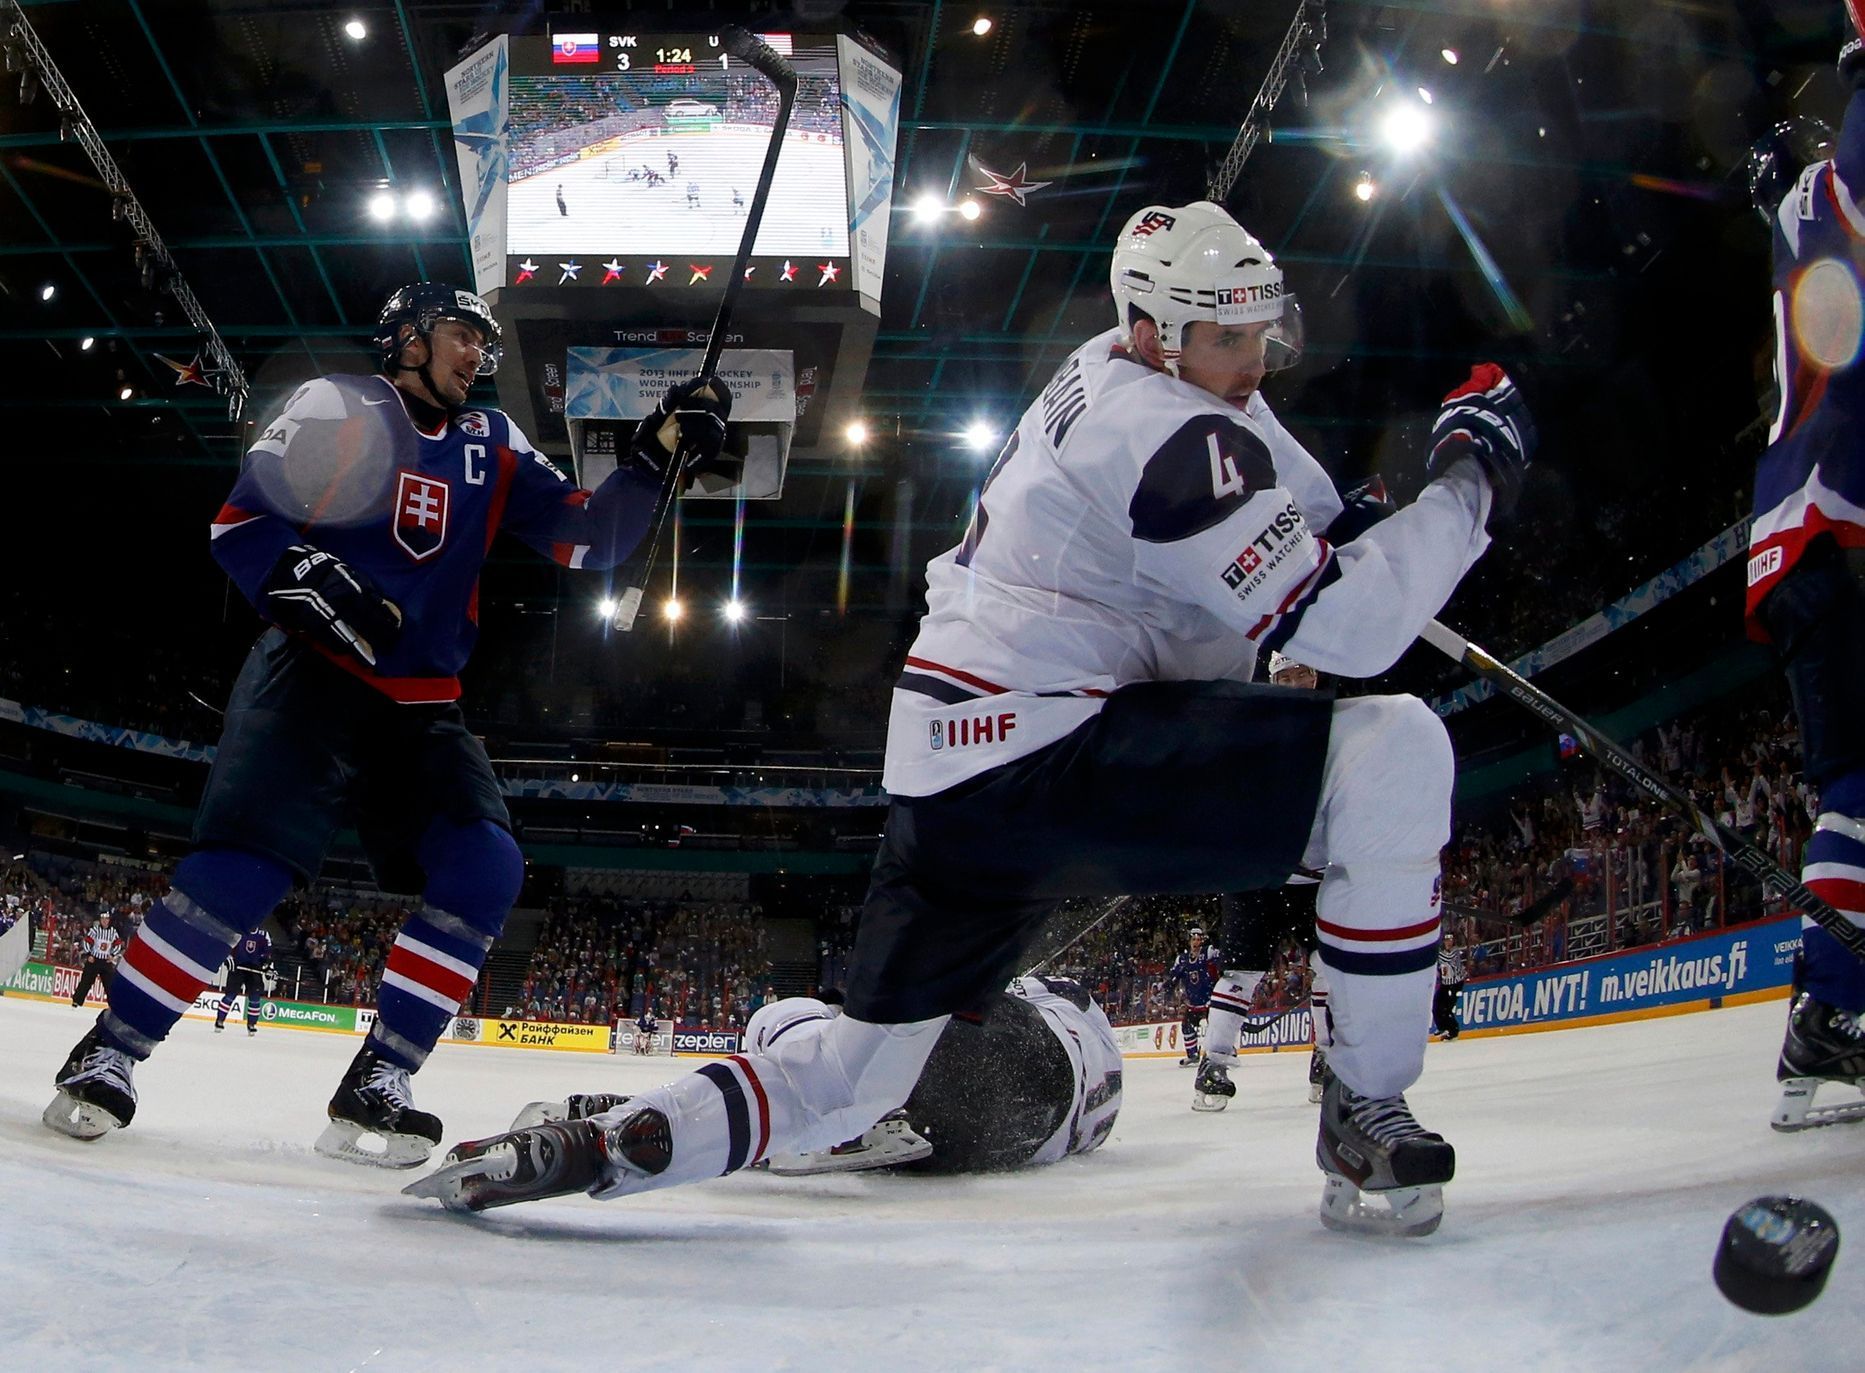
1775	1255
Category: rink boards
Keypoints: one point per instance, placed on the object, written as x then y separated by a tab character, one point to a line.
1702	973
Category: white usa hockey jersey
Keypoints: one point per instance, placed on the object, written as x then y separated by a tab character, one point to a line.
1137	528
1088	1039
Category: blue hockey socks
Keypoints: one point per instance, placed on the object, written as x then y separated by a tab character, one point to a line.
1833	869
217	897
474	873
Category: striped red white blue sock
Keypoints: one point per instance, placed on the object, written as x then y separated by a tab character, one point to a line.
431	970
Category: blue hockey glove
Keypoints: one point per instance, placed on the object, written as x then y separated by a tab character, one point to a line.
1486	419
699	409
317	594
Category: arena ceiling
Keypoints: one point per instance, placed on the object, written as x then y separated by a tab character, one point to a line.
1581	215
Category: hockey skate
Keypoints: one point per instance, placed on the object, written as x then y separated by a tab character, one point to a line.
1373	1147
576	1106
95	1091
890	1140
1824	1045
373	1118
1317	1073
555	1159
1213	1089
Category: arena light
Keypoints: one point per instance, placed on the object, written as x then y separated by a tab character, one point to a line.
382	207
419	206
1406	127
856	434
47	291
981	26
357	30
734	611
86	343
971	209
606	607
126	392
1449	55
672	610
979	436
1365	188
928	208
1424	94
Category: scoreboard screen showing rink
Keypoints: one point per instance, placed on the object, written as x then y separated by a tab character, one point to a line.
634	158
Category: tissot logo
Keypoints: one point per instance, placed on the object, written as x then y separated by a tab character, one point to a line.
1267	549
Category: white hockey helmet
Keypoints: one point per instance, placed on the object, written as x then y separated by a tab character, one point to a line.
1177	264
1280	663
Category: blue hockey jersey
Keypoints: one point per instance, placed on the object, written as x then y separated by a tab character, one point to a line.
1196	972
254	951
1811	481
345	468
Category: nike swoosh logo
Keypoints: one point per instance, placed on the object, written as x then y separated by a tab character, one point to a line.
384	401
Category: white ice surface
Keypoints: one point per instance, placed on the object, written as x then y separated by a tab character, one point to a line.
806	215
1595	1170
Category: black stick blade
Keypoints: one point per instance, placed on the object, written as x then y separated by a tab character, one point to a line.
748	47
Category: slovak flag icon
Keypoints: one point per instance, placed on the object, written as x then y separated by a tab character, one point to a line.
574	47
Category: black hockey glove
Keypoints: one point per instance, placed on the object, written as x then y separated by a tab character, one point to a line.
322	597
699	409
1361	508
1486	419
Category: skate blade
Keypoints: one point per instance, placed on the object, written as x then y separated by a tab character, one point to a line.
1796	1111
459	1183
541	1113
1314	1095
78	1119
1208	1101
1406	1212
349	1142
885	1145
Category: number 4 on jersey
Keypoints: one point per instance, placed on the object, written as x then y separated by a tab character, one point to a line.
1226	479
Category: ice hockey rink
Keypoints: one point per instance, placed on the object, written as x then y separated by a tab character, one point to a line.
1595	1170
607	215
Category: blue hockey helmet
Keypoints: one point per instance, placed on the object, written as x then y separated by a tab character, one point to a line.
422	304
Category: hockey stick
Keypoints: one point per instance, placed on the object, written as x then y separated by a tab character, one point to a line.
1111	908
1774	878
755	52
1523	918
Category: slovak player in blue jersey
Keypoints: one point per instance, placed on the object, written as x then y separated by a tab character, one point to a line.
357	529
1806	575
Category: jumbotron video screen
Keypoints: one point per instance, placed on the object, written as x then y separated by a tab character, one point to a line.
635	157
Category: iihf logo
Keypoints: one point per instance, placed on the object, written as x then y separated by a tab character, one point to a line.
937	729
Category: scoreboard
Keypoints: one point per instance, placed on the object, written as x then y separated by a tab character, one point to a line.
634	157
607	171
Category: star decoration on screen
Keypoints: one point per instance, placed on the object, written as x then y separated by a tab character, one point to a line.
187	372
526	270
790	271
611	270
830	272
1013	187
699	273
569	270
656	270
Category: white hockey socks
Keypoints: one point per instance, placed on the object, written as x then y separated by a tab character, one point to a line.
1230	1004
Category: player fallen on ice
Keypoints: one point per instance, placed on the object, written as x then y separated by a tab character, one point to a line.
1806	569
1076	718
1032	1082
357	529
